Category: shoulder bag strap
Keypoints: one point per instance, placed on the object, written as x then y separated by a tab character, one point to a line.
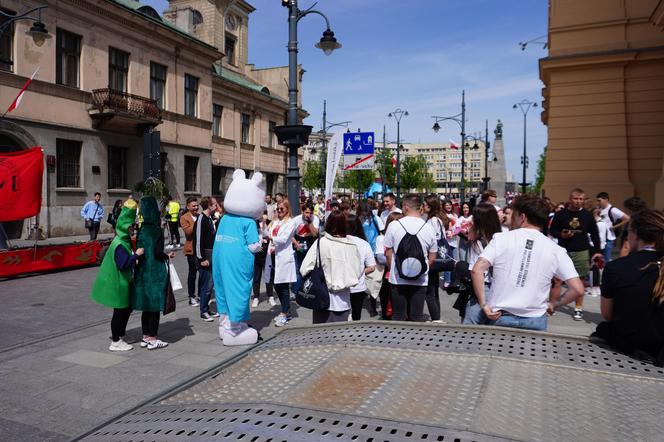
96	210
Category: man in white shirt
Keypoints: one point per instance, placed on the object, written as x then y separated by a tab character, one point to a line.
409	277
389	202
524	262
614	218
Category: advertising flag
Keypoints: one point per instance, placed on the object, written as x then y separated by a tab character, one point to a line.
334	150
21	183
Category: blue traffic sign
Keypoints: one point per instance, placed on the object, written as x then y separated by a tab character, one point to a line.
359	143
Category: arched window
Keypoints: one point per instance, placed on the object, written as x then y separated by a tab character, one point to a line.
197	17
149	11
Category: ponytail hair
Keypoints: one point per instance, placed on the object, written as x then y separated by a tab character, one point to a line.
648	225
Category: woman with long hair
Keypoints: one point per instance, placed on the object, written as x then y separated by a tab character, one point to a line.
485	225
465	220
358	293
452	235
370	222
633	291
432	211
385	294
342	265
281	258
115	213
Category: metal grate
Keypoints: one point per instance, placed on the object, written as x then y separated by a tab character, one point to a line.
493	341
265	422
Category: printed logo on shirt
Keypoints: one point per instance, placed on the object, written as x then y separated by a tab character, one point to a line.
524	266
575	224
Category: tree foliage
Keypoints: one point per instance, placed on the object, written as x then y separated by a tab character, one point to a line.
313	174
541	169
384	167
413	172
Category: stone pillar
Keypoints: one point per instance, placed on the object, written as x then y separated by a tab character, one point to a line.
497	169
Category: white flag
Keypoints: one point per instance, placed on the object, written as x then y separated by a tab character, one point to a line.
334	151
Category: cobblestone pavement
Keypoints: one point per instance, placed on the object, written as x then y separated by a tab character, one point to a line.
58	379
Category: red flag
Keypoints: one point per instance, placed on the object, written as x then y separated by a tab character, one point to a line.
19	97
453	145
21	184
394	162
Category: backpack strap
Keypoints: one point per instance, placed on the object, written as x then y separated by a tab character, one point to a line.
399	221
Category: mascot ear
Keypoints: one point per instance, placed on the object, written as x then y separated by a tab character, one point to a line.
257	178
238	174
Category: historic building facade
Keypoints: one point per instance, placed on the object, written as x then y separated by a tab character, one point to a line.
604	99
113	71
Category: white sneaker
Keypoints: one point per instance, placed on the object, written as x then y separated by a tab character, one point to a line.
170	246
156	344
596	291
272	301
254	303
281	321
120	346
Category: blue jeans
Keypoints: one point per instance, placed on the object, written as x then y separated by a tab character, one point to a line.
297	285
454	253
205	284
608	249
474	313
510	320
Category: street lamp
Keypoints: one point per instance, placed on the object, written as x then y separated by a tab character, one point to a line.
460	119
38	30
475	146
398	114
525	106
295	135
327	125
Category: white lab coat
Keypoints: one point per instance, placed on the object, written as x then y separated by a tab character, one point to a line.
284	270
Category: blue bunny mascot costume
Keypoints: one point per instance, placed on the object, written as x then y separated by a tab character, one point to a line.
235	243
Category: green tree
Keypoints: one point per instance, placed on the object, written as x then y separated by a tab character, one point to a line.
383	165
413	171
313	174
428	184
541	169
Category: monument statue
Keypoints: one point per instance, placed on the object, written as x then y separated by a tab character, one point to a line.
499	130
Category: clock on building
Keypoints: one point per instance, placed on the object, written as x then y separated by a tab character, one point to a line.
231	22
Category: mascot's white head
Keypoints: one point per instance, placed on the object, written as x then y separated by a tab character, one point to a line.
246	197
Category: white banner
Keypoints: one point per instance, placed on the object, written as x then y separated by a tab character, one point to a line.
334	150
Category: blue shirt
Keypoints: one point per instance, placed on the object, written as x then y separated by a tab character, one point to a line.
88	211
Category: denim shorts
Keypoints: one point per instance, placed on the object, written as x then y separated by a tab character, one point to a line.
509	320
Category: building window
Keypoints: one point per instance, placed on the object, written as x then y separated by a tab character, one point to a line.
229	49
217	111
68	154
190	95
196	17
270	134
118	69
190	174
67	58
117	167
6	42
158	84
246	125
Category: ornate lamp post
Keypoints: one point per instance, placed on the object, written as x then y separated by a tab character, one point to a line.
398	114
460	119
525	106
293	135
38	31
327	125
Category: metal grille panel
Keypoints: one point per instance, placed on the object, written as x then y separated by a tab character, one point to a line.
397	382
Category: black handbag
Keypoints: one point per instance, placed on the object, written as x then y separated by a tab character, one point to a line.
314	293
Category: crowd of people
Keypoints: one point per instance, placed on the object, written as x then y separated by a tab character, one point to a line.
509	266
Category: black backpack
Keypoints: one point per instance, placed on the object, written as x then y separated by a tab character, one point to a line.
409	255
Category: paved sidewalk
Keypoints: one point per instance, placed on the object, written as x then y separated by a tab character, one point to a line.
58	379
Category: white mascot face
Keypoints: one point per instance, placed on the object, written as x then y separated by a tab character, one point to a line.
246	197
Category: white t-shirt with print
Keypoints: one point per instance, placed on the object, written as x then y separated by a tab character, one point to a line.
617	215
368	260
453	230
524	262
393	236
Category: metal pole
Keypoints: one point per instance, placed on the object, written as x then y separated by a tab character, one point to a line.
525	158
398	165
293	175
384	161
324	153
486	156
463	147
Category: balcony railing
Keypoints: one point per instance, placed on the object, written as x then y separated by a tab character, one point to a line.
105	100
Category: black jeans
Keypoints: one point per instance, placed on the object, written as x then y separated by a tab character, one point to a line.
175	232
94	230
408	302
384	296
191	276
356	304
433	296
119	322
327	316
259	266
150	323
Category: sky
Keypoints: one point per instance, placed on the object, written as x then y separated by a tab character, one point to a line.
416	55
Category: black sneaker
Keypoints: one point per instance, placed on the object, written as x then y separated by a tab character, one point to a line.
206	317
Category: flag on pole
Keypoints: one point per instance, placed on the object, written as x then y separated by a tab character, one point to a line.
334	151
453	145
394	162
19	97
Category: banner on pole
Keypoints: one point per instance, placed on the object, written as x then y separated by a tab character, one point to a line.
334	151
21	175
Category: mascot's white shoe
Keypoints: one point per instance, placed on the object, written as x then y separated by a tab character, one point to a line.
237	333
223	324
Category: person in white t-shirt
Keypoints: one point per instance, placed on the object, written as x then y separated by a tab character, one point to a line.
358	293
408	298
390	205
524	262
614	218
